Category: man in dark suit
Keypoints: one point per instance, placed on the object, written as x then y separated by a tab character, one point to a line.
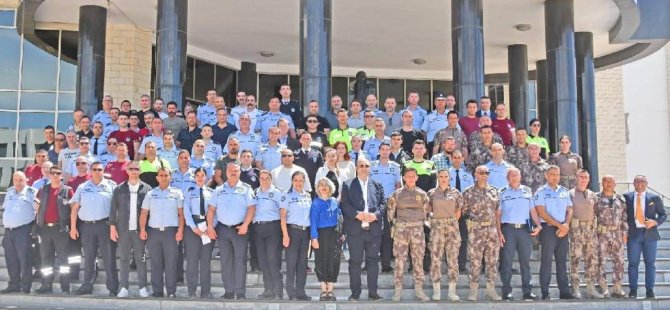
288	106
485	108
645	212
363	206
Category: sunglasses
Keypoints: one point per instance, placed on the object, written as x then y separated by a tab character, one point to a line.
312	121
111	143
84	143
56	173
369	116
82	163
97	170
486	173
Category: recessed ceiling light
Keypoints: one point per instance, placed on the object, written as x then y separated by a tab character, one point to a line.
523	27
419	61
266	53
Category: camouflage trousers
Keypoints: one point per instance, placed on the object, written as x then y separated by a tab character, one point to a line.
445	239
409	239
583	247
483	243
610	244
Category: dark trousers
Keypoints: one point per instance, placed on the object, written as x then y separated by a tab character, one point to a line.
163	253
233	248
253	254
557	248
94	237
268	248
198	263
386	248
53	255
75	255
129	245
17	245
519	241
296	262
646	247
363	246
327	256
463	252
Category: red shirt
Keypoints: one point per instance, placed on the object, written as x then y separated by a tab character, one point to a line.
33	173
128	137
504	127
117	171
78	180
469	125
51	213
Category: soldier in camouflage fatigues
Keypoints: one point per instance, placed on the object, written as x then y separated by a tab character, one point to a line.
612	234
583	236
458	134
532	171
476	139
517	154
569	163
407	211
445	205
481	204
481	153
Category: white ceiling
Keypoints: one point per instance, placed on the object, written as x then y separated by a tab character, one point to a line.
379	36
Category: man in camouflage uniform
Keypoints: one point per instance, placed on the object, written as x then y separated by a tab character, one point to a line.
480	154
452	130
475	139
517	154
445	207
583	236
612	234
532	171
480	203
407	212
569	163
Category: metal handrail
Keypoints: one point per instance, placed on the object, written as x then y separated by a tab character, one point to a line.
664	198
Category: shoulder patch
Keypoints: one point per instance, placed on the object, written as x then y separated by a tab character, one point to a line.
283	198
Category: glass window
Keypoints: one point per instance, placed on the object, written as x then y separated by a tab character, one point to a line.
10	55
294	81
39	68
339	86
188	83
64	121
392	88
7	133
423	88
8	100
496	93
66	101
532	100
371	85
204	79
38	101
6	171
68	76
226	81
7	18
29	120
268	87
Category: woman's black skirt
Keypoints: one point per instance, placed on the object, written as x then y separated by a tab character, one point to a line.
327	257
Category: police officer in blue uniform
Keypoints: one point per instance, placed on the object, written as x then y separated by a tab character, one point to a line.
91	204
460	179
249	140
294	211
553	204
163	212
198	255
18	219
231	211
269	119
517	208
183	177
267	236
269	154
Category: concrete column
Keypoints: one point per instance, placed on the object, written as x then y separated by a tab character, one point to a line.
561	70
315	52
171	26
91	58
517	62
467	45
586	102
247	78
542	101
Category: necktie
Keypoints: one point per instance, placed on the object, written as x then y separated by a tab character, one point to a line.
95	146
639	215
202	202
458	181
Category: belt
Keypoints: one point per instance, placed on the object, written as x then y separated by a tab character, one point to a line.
231	226
96	221
606	228
18	227
163	228
409	224
577	223
299	227
481	223
515	225
199	219
265	222
51	224
448	220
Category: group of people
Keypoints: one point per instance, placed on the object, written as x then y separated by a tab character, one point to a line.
384	184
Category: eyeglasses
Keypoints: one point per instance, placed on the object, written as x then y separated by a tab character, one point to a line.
312	121
484	172
81	163
84	143
111	143
369	116
133	169
97	170
56	173
287	155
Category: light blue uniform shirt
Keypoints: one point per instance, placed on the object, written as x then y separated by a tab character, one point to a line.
270	155
109	129
418	114
249	141
169	155
297	207
466	178
371	146
192	204
498	173
232	202
267	204
102	144
94	200
206	114
392	123
354	155
183	181
516	204
433	123
556	202
157	140
19	207
356	122
102	117
269	119
163	206
205	163
387	175
213	150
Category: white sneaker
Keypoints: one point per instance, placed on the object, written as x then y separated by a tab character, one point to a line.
143	292
123	293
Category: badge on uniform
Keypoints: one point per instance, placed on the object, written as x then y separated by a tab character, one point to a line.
271	194
239	190
418	198
252	138
391	169
314	159
283	198
292	110
253	178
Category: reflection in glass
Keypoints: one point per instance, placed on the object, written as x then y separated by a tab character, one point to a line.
66	101
36	120
7	169
204	79
188	84
339	87
38	101
391	88
64	121
7	18
225	84
268	87
371	85
423	88
39	68
8	100
294	81
7	133
68	76
10	54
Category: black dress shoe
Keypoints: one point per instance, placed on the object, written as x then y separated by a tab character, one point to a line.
228	296
566	296
65	289
25	290
374	297
206	296
650	294
353	298
267	295
508	297
304	298
545	296
84	291
462	269
240	296
632	293
387	269
157	295
530	296
44	289
10	290
192	295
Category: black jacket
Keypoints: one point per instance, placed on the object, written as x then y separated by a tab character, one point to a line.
352	202
62	203
119	213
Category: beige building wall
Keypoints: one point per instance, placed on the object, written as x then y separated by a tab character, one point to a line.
611	122
9	3
127	63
